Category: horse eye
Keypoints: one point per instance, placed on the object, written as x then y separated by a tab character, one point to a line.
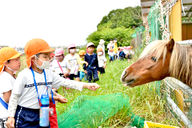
153	58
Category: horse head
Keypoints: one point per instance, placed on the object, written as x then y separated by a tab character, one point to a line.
153	64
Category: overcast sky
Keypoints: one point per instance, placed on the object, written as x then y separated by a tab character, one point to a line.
59	22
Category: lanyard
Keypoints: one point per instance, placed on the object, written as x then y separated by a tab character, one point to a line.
3	103
60	67
45	84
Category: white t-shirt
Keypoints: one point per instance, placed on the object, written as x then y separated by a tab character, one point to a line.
72	63
55	66
110	46
7	82
24	86
101	60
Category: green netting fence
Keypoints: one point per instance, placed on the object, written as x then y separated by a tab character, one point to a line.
153	22
92	111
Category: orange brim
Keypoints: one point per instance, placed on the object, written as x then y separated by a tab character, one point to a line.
45	51
15	56
48	50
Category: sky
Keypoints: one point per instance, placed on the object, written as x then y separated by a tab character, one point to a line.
59	22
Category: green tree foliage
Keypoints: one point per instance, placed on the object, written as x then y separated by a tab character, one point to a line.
117	24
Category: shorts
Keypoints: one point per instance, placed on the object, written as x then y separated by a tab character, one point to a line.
101	70
27	118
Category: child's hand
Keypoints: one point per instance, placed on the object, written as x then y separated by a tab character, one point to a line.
10	122
91	86
86	63
60	98
66	75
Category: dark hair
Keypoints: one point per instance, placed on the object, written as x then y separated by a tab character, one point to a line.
38	54
8	61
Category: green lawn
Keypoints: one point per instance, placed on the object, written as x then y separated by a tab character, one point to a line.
143	99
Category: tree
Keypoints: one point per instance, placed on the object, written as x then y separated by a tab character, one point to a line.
117	24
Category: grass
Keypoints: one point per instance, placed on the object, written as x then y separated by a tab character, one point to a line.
143	99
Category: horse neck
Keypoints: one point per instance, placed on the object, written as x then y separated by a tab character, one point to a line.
181	64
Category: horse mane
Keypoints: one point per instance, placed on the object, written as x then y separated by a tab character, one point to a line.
180	65
158	47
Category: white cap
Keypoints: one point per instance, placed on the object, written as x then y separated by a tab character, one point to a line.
101	41
90	44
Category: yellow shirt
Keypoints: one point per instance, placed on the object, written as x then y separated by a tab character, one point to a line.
81	62
115	48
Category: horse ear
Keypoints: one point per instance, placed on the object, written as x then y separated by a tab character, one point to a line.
170	45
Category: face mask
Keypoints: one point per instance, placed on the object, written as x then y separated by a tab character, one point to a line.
14	72
100	53
45	64
72	50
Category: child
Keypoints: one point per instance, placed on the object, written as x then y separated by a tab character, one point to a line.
83	64
110	48
121	54
59	65
101	60
9	64
72	60
115	49
34	84
91	59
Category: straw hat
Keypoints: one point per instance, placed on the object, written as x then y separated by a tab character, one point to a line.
34	47
6	54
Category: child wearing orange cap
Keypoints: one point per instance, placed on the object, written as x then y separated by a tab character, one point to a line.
9	64
82	64
33	85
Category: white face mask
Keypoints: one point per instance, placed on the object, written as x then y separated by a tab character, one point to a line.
100	53
45	64
72	50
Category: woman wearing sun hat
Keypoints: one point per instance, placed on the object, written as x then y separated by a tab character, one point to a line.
9	64
34	84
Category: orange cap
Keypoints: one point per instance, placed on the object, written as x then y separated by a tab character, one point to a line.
6	54
34	47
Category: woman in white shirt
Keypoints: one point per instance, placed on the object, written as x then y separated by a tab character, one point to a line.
9	64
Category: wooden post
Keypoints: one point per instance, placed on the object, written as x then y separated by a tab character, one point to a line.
175	22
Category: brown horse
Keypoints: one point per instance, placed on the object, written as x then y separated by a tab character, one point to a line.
160	59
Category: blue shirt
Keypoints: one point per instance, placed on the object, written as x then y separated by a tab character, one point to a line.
91	60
